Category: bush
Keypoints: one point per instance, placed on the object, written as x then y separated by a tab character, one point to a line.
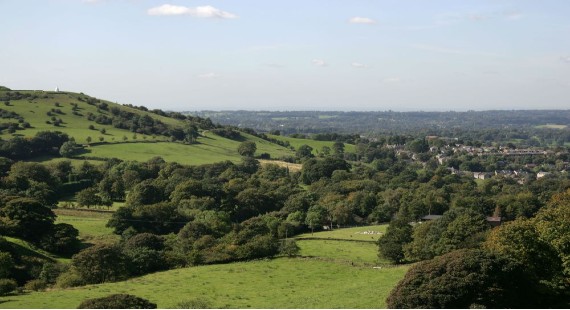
100	263
464	279
117	301
7	286
36	285
69	279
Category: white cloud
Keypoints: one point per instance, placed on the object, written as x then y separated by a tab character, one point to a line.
392	80
209	75
319	63
361	20
358	65
565	59
199	11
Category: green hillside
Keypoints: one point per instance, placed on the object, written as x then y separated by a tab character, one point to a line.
92	122
278	283
316	145
35	107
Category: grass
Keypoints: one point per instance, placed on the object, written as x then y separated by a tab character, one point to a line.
551	126
210	149
277	283
91	225
35	113
354	233
359	253
316	145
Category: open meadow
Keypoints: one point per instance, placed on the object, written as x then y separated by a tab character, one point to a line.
270	283
327	274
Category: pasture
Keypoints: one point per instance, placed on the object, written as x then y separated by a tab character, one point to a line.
275	283
362	233
316	145
90	224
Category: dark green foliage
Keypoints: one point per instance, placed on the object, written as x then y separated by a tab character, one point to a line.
6	265
458	228
304	151
100	263
7	286
144	193
315	169
117	301
26	218
463	279
61	239
144	253
397	235
160	218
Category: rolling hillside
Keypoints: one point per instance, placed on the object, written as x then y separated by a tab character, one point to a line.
113	130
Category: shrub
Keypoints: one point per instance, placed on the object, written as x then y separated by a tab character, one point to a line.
69	279
117	301
36	285
464	279
7	286
100	263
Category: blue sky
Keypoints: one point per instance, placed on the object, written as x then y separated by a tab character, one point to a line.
353	55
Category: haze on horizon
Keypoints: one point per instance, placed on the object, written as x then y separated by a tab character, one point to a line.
358	55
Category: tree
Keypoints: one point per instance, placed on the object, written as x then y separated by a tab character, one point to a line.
88	197
316	216
520	242
466	278
26	218
68	148
100	263
304	151
338	148
61	239
117	301
247	148
397	235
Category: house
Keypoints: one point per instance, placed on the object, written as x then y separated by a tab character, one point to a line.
481	175
494	221
542	174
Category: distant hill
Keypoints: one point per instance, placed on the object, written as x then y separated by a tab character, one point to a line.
387	122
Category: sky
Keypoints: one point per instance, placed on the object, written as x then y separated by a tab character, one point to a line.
349	55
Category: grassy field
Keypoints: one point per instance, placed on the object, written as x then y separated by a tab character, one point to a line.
316	145
210	149
354	233
35	113
277	283
552	126
349	252
91	225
